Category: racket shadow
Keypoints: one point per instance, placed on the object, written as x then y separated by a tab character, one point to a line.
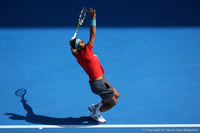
31	117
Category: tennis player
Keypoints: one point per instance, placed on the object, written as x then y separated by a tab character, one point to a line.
99	84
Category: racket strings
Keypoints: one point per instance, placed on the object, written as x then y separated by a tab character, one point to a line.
80	20
82	16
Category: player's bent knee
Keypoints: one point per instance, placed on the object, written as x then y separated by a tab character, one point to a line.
117	96
114	102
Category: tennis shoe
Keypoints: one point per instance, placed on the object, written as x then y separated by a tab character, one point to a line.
97	118
93	107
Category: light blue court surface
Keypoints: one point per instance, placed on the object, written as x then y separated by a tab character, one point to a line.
155	70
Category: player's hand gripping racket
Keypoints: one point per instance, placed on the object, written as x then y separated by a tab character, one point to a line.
80	21
20	93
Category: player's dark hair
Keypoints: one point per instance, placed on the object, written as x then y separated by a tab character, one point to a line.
72	43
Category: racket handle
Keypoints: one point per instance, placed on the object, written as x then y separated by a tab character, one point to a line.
74	36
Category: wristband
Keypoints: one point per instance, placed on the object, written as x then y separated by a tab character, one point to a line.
93	22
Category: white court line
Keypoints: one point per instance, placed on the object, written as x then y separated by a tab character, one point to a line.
101	126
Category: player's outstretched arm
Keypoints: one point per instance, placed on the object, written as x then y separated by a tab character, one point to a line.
93	25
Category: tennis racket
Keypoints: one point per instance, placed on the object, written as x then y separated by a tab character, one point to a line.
80	20
20	93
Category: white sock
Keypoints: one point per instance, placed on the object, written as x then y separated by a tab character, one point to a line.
98	112
99	104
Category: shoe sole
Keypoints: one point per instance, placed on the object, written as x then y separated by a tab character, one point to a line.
97	120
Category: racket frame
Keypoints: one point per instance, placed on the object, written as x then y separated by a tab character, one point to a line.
80	21
20	90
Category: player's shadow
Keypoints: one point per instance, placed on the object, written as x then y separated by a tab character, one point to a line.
31	117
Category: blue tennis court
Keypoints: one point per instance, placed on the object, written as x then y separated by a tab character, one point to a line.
156	70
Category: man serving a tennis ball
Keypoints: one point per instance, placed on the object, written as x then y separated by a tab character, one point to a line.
99	84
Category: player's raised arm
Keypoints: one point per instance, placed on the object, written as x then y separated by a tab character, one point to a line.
93	25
